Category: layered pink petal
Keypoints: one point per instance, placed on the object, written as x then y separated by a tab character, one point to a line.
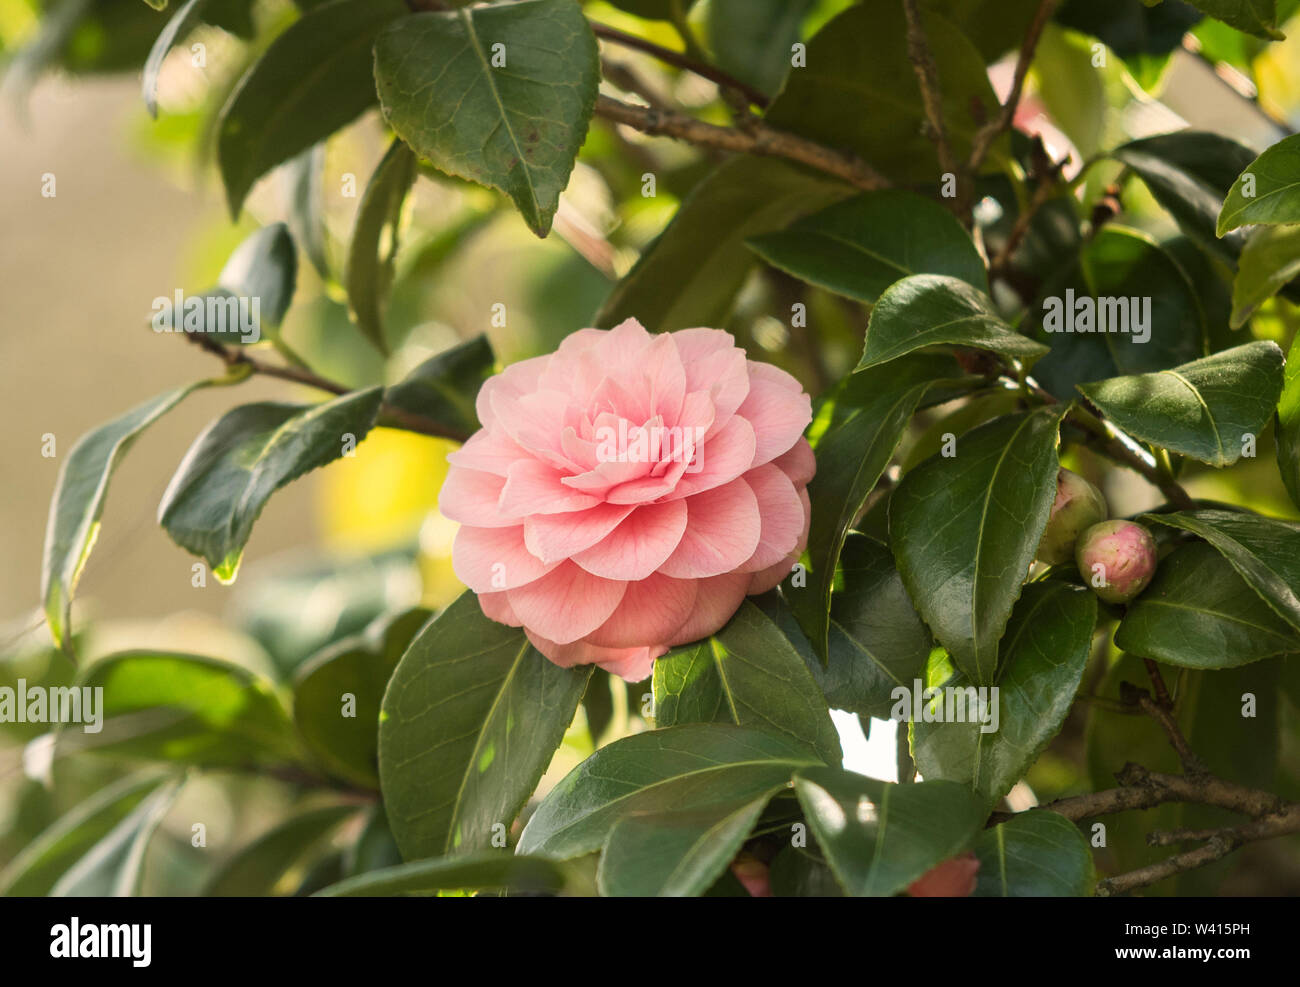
630	664
640	544
722	532
567	603
779	416
471	496
716	601
517	379
720	458
491	451
799	464
488	559
533	487
781	512
652	611
552	537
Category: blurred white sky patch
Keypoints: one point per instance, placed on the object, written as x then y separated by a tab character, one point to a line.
874	757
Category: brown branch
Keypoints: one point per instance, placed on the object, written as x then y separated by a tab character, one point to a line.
1143	789
399	417
757	139
927	77
990	132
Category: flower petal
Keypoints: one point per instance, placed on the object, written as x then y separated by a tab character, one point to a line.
471	496
651	612
640	544
487	559
567	603
533	487
779	416
716	602
553	537
782	513
722	531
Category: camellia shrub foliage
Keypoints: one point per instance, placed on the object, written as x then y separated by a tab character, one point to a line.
899	359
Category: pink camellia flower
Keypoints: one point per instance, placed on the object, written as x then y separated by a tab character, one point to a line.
626	492
954	878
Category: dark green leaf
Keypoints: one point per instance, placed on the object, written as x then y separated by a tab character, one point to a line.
186	708
1287	433
995	26
1269	260
469	723
860	58
1043	656
314	78
751	39
1035	854
1189	172
795	873
695	767
36	868
860	247
964	531
345	736
264	267
242	458
880	837
443	387
484	869
1273	181
702	252
78	502
868	413
373	249
1265	552
1257	17
515	126
1199	613
1205	409
934	310
749	674
114	867
674	854
304	174
255	869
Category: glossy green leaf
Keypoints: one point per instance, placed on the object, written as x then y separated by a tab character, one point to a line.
964	531
238	461
255	869
314	78
749	674
1287	433
865	417
443	387
1208	409
751	39
694	767
1035	854
181	23
674	854
1270	259
304	176
1199	613
878	640
995	26
1189	172
78	502
470	721
879	837
1257	17
373	249
114	866
37	867
500	95
1265	552
935	310
337	695
263	267
486	869
702	252
1273	181
859	247
1043	655
189	709
859	58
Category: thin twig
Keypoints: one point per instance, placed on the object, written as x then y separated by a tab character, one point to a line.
927	77
401	418
990	132
758	139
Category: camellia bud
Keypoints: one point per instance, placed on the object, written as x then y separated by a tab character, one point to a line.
1078	506
954	878
1117	559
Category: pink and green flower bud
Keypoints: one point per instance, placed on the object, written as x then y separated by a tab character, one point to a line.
1078	506
1117	559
